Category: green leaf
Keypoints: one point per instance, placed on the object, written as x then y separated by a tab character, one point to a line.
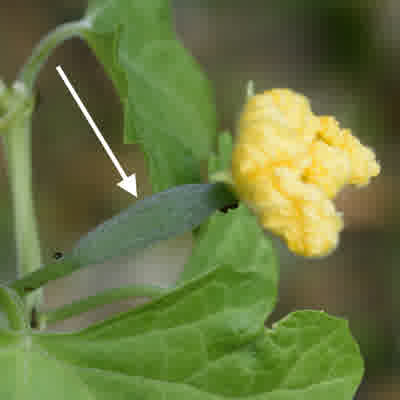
168	105
223	159
235	239
309	355
169	213
200	342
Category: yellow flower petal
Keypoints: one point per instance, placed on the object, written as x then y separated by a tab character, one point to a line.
288	164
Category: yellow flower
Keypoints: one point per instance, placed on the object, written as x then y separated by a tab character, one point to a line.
288	164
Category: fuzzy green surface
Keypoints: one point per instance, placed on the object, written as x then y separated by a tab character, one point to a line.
168	104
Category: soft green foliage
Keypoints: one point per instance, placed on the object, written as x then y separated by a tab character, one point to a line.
234	238
169	213
205	340
168	104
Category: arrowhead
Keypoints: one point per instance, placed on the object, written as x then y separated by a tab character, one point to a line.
129	184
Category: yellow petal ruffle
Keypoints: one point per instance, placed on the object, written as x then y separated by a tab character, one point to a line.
288	164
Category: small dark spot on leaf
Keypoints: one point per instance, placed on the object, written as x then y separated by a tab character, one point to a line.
229	207
57	255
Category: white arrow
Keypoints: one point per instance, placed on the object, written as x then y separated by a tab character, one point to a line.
128	183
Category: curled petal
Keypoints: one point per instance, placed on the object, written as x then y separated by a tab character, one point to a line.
288	165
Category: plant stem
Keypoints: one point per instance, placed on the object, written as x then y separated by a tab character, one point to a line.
11	303
107	297
41	52
18	149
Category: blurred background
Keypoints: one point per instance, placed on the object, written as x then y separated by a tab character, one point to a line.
344	55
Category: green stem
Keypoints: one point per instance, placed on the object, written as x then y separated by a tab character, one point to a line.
18	150
41	52
18	122
107	297
11	303
14	105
